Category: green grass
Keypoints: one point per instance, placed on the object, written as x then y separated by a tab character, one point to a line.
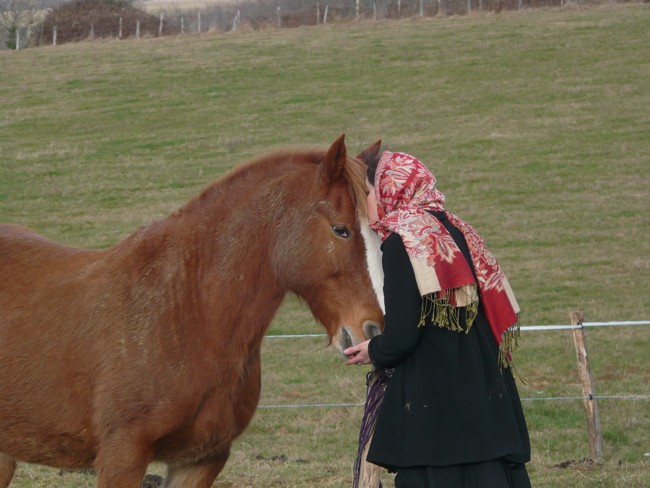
536	124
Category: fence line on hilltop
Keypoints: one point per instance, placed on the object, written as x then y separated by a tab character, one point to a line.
18	34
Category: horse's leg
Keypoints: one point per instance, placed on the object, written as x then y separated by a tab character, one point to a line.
7	468
199	475
122	463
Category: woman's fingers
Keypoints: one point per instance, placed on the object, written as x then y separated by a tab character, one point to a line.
357	354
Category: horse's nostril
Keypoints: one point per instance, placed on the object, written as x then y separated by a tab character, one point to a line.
371	330
345	340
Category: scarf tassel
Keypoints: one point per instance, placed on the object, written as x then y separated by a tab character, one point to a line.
510	342
438	306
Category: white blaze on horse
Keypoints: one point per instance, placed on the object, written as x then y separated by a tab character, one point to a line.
150	350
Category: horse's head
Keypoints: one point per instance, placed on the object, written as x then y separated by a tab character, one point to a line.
319	252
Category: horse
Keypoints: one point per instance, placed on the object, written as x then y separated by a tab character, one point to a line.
149	350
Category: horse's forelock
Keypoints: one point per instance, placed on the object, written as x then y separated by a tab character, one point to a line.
355	175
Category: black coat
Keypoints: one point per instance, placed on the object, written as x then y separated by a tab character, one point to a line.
448	401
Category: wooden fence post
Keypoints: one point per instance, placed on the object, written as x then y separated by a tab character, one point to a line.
54	36
588	390
369	475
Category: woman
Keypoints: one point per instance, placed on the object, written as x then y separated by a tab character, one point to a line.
451	415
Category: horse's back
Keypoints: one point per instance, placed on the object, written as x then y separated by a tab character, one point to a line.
12	232
40	277
18	244
35	270
28	250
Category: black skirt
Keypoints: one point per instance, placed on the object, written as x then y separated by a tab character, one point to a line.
489	474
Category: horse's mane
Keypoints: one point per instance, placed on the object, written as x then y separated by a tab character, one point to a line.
278	161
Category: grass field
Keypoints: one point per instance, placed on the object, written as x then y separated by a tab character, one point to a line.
536	124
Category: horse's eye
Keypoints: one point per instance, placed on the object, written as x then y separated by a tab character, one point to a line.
341	231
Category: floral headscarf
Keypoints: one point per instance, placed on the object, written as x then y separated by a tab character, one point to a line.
405	191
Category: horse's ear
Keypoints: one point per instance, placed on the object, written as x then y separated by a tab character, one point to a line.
371	152
332	165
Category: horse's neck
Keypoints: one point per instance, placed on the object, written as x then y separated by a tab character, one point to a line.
218	267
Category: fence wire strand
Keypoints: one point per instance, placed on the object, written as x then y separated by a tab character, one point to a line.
528	399
523	328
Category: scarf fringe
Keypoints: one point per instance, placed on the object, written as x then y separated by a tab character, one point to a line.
509	343
438	306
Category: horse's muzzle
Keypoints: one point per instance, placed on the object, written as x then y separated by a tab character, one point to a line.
345	339
348	338
371	329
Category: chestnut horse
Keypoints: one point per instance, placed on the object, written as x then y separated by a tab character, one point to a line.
150	350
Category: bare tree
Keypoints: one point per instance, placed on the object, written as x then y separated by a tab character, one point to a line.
20	18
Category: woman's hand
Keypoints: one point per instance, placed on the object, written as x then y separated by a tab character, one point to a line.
358	354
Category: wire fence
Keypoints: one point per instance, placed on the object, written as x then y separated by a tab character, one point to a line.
524	399
529	328
34	22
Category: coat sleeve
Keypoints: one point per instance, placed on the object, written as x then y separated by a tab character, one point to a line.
403	307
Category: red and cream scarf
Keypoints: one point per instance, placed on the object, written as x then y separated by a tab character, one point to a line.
405	191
